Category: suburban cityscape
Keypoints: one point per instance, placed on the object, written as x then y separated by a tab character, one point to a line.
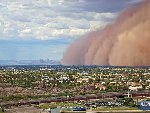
93	87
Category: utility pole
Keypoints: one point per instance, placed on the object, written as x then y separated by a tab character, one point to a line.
128	93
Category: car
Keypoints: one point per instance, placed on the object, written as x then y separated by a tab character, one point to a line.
79	109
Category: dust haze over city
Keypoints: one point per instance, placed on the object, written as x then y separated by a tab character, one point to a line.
124	42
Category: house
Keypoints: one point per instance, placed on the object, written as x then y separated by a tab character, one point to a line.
135	88
83	80
100	86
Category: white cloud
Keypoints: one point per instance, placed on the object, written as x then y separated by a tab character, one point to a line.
26	31
51	2
47	19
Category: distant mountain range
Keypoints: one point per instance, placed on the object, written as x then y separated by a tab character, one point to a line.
30	62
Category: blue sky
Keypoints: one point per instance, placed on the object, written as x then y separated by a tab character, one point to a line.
43	29
32	49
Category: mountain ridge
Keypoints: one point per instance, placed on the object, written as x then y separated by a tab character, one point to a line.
30	62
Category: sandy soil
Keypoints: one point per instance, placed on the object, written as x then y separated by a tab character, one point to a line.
25	110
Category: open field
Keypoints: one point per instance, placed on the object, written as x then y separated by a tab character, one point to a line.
25	110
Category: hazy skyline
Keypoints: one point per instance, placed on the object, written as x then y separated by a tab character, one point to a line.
43	29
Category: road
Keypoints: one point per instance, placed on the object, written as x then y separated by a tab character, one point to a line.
63	99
